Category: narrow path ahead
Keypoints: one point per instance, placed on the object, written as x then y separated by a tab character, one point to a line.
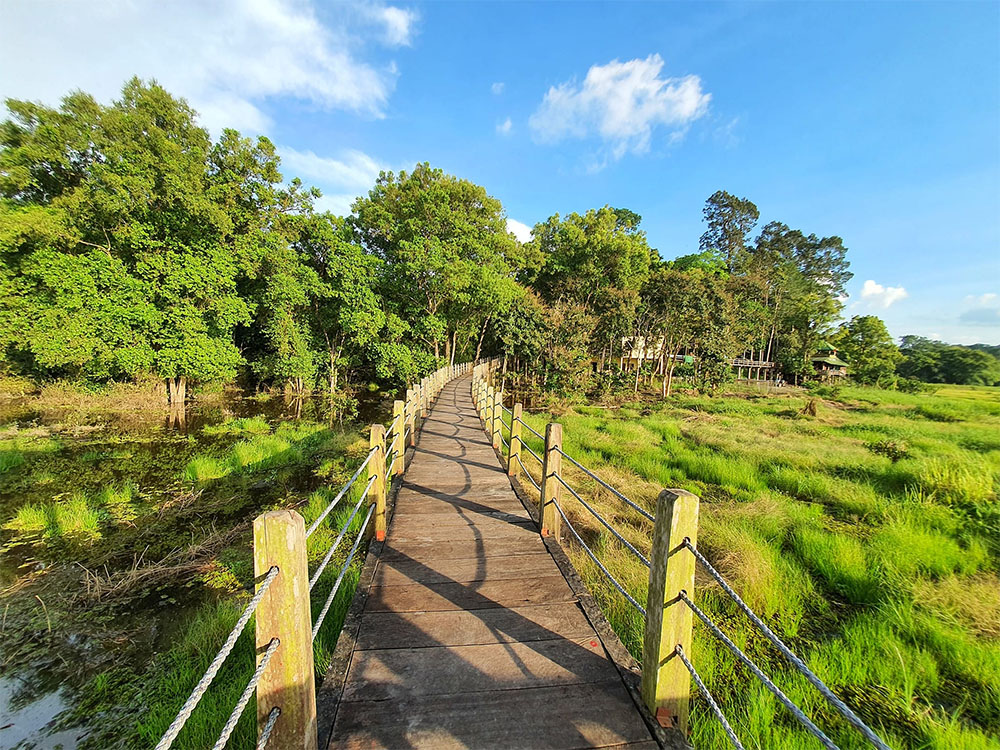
470	635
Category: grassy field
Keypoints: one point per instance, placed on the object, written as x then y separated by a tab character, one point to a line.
867	536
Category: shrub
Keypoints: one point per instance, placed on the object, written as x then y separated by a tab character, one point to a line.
894	450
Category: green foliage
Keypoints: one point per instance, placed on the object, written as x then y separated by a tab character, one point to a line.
936	362
869	350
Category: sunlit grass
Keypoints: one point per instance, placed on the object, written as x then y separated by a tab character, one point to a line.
880	567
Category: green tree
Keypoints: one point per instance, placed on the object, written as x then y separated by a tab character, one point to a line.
869	350
730	221
434	233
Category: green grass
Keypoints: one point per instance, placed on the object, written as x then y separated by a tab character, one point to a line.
868	537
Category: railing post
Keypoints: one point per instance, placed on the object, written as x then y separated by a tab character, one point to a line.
548	515
513	468
279	539
411	415
376	468
666	682
497	419
398	415
423	398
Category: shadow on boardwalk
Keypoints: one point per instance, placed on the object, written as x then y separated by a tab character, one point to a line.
470	636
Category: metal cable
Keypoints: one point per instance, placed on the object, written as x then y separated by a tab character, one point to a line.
539	435
241	704
206	679
265	733
343	570
504	443
642	558
607	486
343	490
711	701
537	457
530	478
340	536
767	682
600	565
796	662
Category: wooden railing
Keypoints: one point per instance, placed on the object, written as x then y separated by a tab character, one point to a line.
285	631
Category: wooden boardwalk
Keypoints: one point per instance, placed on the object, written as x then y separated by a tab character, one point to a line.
465	633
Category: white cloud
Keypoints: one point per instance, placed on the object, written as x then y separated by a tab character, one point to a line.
519	230
882	296
497	88
504	128
622	103
983	300
985	310
227	58
342	178
398	23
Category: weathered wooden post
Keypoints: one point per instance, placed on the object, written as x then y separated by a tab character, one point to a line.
513	466
424	387
398	447
279	539
497	419
411	415
376	468
666	682
551	521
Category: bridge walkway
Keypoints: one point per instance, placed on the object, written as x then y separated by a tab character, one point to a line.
468	635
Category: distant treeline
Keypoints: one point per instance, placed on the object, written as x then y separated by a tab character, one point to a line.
133	245
937	362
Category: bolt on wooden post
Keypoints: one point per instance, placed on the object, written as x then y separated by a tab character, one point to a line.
279	539
411	418
399	419
666	682
548	514
513	466
376	468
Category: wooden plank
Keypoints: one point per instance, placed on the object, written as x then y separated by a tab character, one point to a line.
391	674
461	628
480	595
516	567
483	528
595	715
454	549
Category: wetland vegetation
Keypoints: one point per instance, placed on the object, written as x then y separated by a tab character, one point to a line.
867	536
127	556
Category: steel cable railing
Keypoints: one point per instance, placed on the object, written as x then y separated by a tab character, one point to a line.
340	536
535	455
796	662
537	434
631	548
642	511
213	669
590	552
710	700
343	490
343	571
265	733
241	704
527	473
764	679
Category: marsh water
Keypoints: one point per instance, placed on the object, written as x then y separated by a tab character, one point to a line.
71	601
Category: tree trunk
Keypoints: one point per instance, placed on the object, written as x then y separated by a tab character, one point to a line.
454	346
670	378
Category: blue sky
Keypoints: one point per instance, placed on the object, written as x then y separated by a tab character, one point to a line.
878	122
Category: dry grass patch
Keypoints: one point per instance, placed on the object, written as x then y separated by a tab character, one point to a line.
974	601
